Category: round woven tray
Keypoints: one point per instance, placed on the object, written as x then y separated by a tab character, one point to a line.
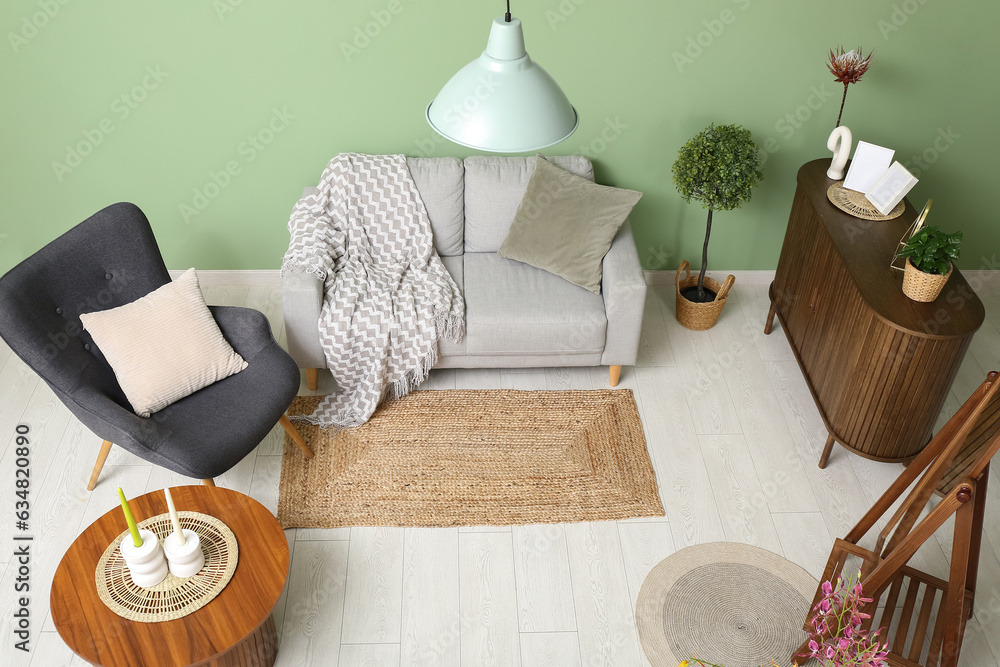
855	203
173	597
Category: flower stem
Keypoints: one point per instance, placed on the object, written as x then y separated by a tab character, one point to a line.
842	100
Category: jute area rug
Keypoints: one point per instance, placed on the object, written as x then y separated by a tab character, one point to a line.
730	604
464	457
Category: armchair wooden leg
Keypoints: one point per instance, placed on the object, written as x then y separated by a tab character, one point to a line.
312	376
290	429
208	482
616	372
102	456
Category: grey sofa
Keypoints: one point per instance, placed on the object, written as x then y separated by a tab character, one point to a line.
516	315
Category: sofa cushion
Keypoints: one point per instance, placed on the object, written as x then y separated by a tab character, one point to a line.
455	265
515	309
565	224
441	185
494	187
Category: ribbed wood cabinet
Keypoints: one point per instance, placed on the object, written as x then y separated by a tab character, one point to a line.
878	364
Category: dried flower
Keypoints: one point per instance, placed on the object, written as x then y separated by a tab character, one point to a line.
848	68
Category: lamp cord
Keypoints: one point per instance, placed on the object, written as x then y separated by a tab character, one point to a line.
507	16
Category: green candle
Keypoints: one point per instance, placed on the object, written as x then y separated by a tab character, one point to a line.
129	519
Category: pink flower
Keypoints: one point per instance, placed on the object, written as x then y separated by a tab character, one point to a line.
827	588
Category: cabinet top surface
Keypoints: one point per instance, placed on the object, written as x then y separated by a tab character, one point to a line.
866	248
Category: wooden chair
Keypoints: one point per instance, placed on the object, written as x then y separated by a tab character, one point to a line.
955	465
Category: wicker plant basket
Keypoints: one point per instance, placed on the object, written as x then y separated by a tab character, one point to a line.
923	287
700	316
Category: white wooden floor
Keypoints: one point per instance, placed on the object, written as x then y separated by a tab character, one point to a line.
734	437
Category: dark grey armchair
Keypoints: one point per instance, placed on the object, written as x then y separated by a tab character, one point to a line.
108	260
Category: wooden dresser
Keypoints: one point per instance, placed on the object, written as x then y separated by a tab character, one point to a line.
878	364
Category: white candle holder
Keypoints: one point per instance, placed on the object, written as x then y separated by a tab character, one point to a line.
145	564
187	559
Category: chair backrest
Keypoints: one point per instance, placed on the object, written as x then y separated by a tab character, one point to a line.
108	260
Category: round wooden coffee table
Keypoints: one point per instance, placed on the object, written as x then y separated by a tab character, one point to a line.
235	628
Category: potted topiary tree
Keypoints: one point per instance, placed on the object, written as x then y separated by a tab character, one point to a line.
929	254
718	168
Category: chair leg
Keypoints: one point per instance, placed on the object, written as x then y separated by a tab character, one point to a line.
312	376
208	482
975	545
615	373
102	456
290	430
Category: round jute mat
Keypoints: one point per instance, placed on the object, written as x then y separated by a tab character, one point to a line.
855	203
730	604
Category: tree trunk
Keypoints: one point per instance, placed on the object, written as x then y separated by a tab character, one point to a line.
704	260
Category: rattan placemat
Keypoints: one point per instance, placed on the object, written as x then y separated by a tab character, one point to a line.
173	597
856	204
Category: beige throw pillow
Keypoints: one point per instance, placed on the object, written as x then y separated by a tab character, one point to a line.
163	346
566	223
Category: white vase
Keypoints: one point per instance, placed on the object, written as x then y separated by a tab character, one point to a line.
840	143
146	563
187	559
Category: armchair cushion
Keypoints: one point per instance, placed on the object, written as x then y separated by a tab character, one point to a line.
565	224
163	346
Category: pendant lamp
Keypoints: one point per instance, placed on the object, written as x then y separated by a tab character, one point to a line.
503	102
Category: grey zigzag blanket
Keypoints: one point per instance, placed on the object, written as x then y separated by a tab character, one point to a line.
388	297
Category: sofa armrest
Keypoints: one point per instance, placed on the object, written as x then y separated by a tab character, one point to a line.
301	303
624	289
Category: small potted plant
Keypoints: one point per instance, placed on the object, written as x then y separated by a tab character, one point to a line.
929	262
717	168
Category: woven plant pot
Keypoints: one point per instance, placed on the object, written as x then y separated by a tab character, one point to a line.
923	287
700	316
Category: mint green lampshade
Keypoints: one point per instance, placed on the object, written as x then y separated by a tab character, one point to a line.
503	102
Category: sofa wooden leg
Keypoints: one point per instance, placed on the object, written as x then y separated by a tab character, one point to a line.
291	430
102	456
208	482
312	378
616	372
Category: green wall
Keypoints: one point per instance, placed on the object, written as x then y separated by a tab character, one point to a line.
162	95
